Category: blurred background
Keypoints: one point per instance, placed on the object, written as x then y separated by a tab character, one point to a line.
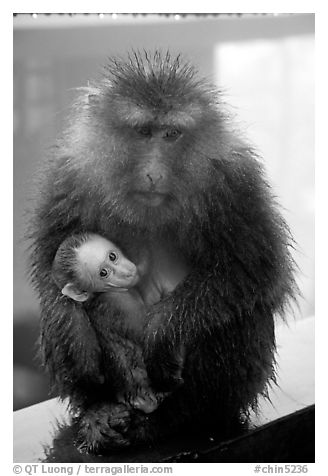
264	63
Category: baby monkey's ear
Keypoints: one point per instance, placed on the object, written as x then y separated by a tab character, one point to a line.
75	293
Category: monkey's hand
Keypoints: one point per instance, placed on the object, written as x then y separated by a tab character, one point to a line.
102	428
146	402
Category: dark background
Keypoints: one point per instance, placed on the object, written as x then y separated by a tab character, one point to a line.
265	65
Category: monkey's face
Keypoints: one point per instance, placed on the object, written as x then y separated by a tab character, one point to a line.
160	174
103	266
155	168
152	134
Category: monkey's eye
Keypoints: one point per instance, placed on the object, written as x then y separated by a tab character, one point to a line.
172	134
112	256
104	273
144	131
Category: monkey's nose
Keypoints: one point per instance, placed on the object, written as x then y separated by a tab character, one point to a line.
154	178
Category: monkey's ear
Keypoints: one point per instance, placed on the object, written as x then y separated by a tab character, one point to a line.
74	293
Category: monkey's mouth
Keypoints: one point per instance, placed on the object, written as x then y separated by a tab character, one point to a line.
151	199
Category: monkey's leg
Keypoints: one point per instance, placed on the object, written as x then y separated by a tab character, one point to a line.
127	369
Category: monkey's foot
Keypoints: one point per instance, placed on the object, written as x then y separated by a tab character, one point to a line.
102	428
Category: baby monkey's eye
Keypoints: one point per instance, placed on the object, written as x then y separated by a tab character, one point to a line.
104	273
112	256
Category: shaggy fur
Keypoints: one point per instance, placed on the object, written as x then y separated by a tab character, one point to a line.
218	213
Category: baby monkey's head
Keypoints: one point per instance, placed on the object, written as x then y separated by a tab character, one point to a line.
88	263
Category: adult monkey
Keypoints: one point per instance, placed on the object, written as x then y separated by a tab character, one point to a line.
149	161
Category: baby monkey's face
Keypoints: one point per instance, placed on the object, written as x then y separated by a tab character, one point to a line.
102	264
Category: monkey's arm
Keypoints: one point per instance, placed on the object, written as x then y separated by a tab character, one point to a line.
201	311
242	278
69	346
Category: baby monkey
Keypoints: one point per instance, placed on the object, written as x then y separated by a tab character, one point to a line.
87	264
